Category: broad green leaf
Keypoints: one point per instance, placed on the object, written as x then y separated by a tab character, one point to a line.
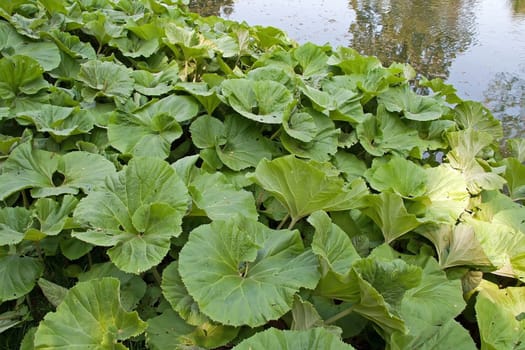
52	215
281	74
350	165
169	331
262	101
101	322
245	145
240	272
388	211
305	316
132	287
105	79
136	213
50	174
19	276
177	295
134	46
155	84
181	108
59	122
516	148
218	198
398	175
71	44
20	75
351	62
387	133
429	310
447	192
307	186
300	126
500	316
316	338
363	299
53	292
322	146
206	95
312	60
413	106
515	176
141	134
331	244
45	53
465	146
14	223
473	115
207	132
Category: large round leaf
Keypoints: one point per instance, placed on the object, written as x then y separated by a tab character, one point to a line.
89	317
19	275
137	213
316	338
240	272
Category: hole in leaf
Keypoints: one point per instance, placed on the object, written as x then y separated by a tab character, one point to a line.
57	178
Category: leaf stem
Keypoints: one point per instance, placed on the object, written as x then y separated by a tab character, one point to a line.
25	200
156	275
281	224
339	315
275	134
293	222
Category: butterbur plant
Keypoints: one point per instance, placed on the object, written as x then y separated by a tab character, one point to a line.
169	181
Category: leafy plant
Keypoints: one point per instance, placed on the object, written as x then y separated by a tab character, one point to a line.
174	181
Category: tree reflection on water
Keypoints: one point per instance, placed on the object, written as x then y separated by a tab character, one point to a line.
428	34
211	7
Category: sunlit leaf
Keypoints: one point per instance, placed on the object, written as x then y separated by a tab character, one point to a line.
307	186
316	338
136	213
101	323
240	272
19	275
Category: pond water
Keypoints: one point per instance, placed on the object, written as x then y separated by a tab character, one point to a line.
476	45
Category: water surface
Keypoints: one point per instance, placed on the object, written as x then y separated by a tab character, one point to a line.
476	45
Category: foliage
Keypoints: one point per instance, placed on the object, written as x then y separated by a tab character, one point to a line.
173	181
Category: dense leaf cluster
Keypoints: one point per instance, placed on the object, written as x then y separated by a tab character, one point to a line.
171	181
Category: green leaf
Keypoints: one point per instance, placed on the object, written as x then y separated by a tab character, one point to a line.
245	145
42	172
311	59
307	186
136	213
398	175
240	272
515	176
177	295
207	132
300	126
156	84
388	211
305	316
429	310
53	292
475	116
500	316
322	146
331	244
59	122
218	198
168	330
203	93
413	106
72	45
105	79
53	215
141	134
262	101
316	338
132	287
387	133
20	75
14	223
100	323
19	275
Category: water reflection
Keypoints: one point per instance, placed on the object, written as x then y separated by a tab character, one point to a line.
212	7
428	34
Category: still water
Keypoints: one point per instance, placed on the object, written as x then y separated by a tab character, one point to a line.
476	45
